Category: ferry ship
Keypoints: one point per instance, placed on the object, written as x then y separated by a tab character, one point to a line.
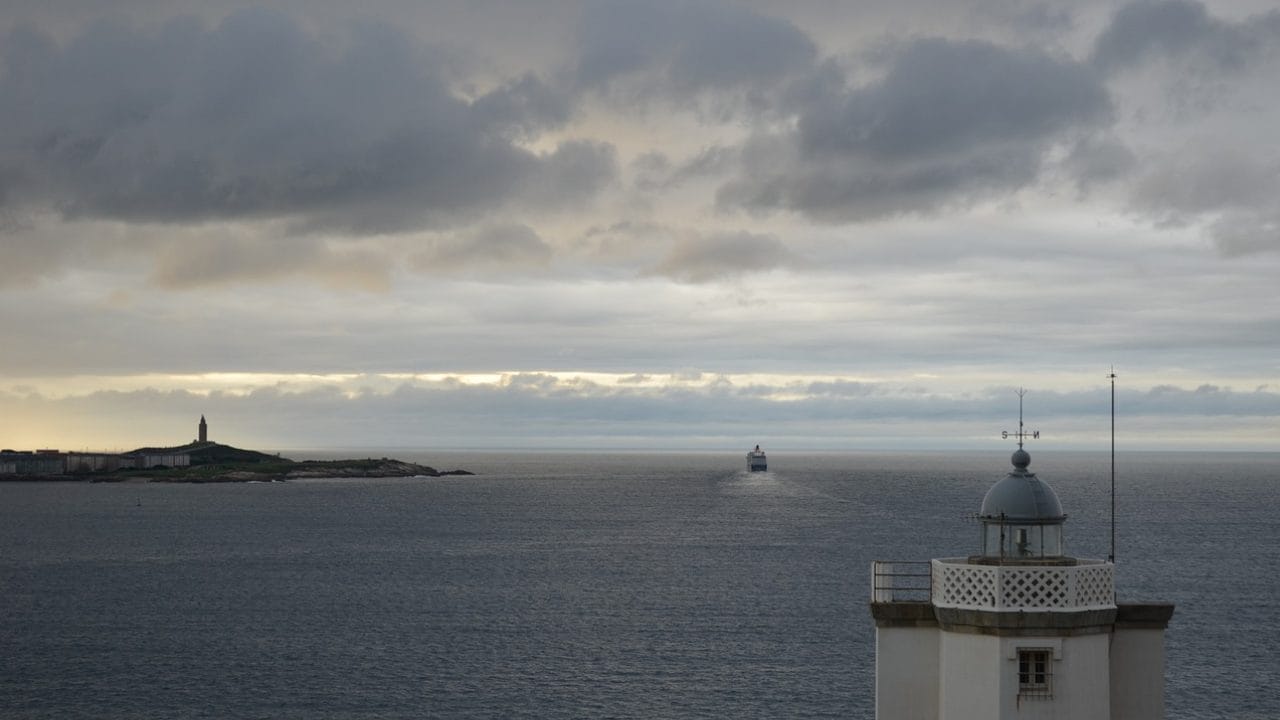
756	461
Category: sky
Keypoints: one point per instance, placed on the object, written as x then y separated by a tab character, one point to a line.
685	225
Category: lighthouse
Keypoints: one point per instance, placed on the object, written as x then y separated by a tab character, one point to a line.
1020	629
202	431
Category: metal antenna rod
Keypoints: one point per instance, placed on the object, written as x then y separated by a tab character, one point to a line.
1112	376
1021	392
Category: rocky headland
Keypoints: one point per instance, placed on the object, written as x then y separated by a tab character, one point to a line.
283	471
215	463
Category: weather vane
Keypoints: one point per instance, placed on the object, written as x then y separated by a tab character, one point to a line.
1021	434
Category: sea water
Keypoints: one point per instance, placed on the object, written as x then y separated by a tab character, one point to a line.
584	585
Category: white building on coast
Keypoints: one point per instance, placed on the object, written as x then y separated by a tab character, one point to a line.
1021	630
53	462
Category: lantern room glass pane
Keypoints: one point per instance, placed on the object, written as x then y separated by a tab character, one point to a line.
1022	541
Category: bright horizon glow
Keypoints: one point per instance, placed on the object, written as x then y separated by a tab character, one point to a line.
958	383
620	411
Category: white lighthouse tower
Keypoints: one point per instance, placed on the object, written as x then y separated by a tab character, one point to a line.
1020	630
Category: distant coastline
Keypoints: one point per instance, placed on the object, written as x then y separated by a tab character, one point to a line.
209	462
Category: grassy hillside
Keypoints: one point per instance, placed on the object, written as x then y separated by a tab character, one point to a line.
211	453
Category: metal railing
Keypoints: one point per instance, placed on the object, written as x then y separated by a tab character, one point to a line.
901	581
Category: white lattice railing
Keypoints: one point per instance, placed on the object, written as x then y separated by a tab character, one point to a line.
1085	586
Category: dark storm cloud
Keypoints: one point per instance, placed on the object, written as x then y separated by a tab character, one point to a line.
1179	29
948	123
1211	76
681	49
940	95
1099	160
527	105
258	117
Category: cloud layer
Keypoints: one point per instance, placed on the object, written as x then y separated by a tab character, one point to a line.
948	123
970	193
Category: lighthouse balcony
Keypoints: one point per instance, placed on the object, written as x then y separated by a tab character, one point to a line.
1085	585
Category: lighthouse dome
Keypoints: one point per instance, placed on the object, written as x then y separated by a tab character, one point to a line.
1022	497
1022	517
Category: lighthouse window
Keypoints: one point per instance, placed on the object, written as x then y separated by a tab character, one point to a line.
1035	672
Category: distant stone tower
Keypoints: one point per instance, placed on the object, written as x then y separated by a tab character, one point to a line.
204	430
